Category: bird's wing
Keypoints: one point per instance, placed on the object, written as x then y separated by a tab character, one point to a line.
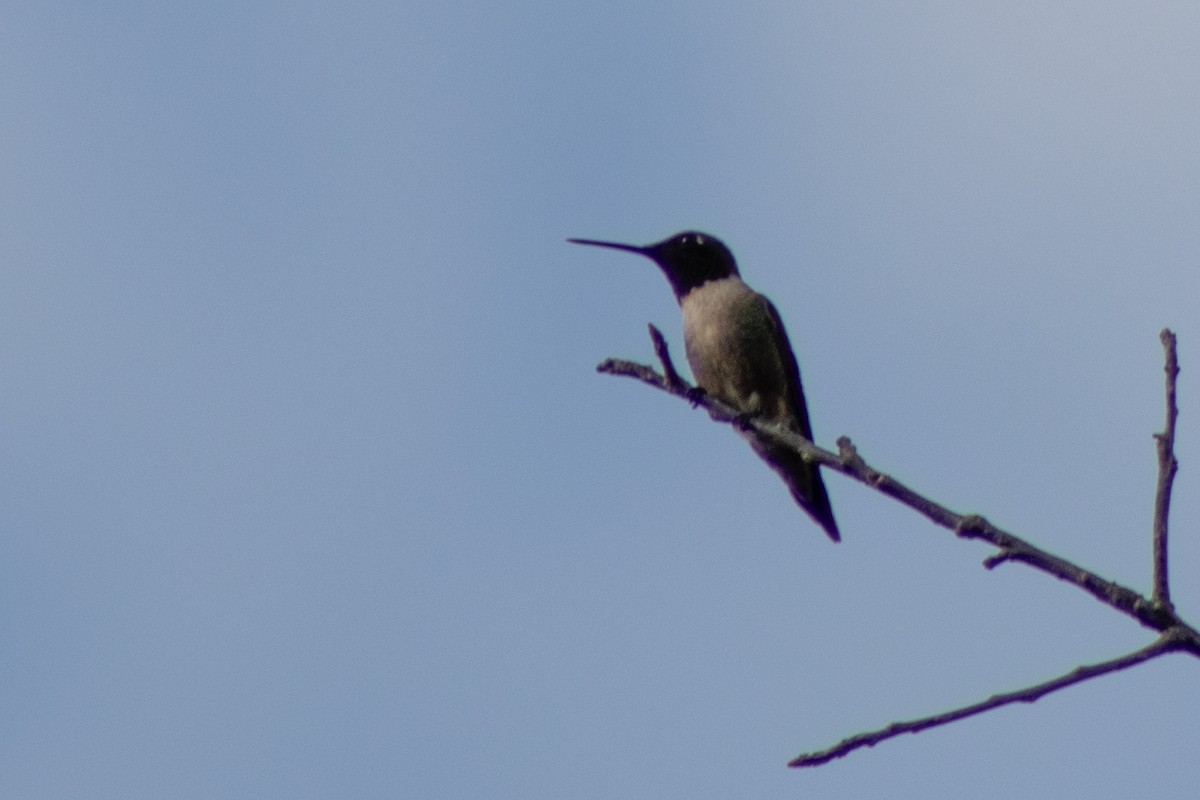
791	371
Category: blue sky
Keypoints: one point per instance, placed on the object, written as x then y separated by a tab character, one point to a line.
308	485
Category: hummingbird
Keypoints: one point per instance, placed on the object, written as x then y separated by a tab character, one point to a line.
739	353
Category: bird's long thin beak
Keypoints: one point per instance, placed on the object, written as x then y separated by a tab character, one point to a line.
614	245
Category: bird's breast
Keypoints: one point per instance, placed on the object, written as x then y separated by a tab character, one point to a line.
733	347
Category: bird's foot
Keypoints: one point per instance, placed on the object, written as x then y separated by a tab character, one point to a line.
743	420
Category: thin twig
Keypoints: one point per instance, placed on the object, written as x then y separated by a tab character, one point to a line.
1167	467
1158	647
631	369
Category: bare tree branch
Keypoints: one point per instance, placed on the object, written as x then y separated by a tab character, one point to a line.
1158	647
1167	467
1153	615
1155	612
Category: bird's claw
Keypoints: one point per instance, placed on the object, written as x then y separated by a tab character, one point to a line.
742	420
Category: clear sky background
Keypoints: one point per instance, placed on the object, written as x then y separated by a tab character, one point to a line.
308	487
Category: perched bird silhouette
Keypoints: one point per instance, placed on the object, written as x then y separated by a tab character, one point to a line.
739	353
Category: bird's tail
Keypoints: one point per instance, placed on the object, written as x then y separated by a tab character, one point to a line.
804	481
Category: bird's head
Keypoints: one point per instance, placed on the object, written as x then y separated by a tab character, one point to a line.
688	259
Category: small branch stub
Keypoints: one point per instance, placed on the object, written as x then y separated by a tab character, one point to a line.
664	357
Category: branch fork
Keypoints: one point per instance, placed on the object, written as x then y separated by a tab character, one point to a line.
1155	612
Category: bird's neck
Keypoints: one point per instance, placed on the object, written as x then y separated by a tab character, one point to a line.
683	289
